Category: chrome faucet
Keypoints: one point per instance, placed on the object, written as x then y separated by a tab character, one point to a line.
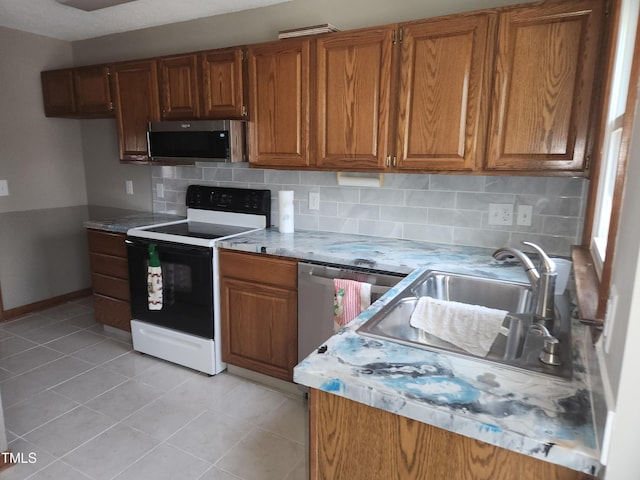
543	282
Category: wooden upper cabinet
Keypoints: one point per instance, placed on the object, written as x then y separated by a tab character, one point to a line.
544	84
353	98
92	90
179	89
135	87
279	96
443	90
82	92
223	90
57	93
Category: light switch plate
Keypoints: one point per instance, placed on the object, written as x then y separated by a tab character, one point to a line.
524	215
129	186
314	201
160	190
4	188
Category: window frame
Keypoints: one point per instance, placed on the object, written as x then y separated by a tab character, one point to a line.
592	274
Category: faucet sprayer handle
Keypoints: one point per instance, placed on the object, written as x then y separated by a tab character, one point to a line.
546	264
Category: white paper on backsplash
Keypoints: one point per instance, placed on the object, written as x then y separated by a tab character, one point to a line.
450	209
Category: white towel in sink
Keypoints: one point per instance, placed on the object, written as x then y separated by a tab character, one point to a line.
470	327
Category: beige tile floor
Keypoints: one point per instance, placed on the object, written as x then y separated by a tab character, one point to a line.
89	407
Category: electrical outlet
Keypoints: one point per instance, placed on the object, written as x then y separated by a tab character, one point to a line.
160	190
129	186
4	188
314	201
524	215
500	214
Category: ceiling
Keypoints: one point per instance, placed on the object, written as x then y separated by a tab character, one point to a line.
53	19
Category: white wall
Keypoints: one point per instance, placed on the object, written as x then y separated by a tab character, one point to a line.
43	251
622	360
40	157
105	175
263	24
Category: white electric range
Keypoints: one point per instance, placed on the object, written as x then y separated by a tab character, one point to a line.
185	329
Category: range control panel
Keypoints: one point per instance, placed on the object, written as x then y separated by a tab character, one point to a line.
227	199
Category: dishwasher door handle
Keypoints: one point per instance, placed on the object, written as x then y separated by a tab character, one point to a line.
324	281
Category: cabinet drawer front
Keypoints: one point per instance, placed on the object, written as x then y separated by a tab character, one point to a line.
110	286
113	312
105	242
259	268
109	265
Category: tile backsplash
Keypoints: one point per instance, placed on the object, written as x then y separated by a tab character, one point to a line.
452	209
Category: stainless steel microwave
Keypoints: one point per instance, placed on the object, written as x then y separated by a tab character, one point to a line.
197	141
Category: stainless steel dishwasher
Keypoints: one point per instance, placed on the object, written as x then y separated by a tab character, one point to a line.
316	294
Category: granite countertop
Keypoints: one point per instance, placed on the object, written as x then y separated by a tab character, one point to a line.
544	417
388	254
120	220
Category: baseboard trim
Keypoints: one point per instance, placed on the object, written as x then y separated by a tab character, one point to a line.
43	304
283	385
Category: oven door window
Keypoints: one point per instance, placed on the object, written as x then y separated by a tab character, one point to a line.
187	286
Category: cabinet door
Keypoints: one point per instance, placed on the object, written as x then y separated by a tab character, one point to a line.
223	84
279	99
353	104
443	89
93	91
136	96
57	93
544	84
385	445
259	327
259	312
179	87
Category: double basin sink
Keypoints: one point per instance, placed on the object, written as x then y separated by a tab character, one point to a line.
517	346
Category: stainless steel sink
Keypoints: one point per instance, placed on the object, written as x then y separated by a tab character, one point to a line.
511	296
516	346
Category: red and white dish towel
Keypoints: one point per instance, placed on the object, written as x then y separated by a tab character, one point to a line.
350	299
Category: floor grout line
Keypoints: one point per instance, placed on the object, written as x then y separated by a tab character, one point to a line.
137	378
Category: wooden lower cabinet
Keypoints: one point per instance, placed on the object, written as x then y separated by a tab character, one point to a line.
259	320
354	441
110	278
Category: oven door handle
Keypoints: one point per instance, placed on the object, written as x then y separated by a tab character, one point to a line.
174	247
